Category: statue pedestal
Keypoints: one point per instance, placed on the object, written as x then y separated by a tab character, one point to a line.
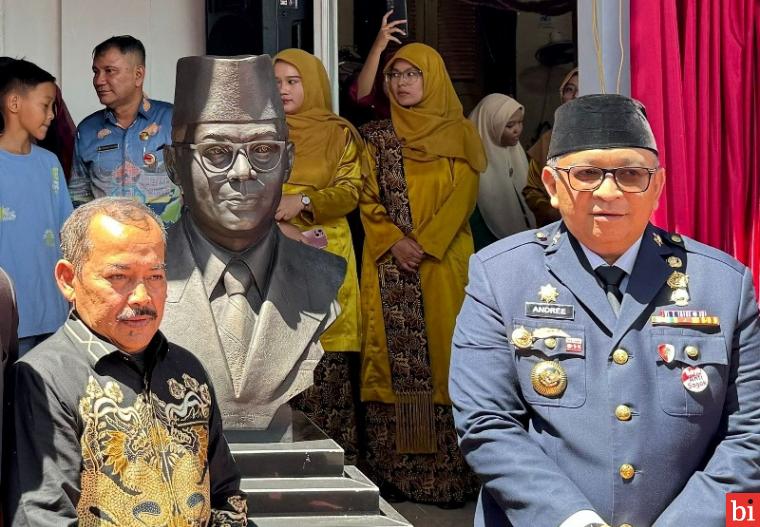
301	480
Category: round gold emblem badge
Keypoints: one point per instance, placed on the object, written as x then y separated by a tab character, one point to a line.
549	378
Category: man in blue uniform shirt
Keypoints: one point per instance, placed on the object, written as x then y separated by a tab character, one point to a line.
605	372
119	149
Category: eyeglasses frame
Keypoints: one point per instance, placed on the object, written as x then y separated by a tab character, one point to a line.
608	172
404	75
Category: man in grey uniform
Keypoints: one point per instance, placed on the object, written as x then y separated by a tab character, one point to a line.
615	379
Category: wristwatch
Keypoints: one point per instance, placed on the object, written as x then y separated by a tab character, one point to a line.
306	200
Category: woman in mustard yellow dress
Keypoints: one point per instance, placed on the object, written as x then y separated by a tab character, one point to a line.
323	188
420	192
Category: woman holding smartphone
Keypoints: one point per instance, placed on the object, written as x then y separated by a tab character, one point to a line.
323	188
425	164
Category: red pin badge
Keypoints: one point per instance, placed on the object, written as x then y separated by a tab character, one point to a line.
573	345
694	379
149	158
666	352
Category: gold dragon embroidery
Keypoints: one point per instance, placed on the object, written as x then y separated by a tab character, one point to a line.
145	464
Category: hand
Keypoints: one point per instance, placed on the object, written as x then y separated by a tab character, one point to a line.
291	231
408	254
386	32
290	207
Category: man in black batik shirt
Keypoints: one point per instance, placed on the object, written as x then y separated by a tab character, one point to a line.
113	424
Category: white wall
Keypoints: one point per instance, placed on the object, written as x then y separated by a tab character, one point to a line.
59	35
537	85
606	69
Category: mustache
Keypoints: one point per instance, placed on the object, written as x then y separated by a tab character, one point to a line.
138	312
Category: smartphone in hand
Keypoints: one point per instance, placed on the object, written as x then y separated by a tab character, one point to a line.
316	238
399	10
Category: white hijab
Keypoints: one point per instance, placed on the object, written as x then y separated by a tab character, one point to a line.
500	198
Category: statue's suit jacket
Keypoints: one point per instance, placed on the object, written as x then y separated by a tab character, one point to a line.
299	305
542	458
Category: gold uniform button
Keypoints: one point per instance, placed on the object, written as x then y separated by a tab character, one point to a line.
620	356
692	352
676	238
550	342
522	338
623	413
626	471
626	525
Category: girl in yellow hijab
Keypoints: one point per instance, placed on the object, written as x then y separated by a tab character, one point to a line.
323	188
420	192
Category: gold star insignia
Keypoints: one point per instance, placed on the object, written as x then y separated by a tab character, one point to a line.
548	293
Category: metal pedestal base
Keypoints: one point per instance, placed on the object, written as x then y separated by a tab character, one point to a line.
301	480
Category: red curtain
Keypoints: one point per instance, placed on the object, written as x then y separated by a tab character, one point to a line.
694	65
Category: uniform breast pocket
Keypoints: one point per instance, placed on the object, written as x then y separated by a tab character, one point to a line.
108	159
550	358
694	382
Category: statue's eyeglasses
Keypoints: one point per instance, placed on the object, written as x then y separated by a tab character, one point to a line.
218	157
627	179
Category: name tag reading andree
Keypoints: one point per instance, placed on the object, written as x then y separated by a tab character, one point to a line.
546	310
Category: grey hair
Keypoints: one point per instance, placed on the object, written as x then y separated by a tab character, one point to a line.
75	240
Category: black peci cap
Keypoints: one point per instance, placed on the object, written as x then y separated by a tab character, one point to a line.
600	121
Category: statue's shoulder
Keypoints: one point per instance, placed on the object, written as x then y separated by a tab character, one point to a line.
323	271
178	254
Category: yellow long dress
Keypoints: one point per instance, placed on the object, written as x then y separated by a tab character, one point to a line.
328	168
330	206
442	195
411	441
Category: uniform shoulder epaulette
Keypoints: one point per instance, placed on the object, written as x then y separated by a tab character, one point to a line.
540	237
691	245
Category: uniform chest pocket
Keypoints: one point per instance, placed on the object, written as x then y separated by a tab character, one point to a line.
108	158
549	354
694	352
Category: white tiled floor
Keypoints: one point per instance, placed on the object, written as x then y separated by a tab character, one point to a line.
431	516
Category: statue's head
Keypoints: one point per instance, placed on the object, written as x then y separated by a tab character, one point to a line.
230	153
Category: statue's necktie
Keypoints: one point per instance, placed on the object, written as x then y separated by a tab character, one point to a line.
610	277
238	319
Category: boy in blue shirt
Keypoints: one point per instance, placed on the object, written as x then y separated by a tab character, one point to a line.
34	200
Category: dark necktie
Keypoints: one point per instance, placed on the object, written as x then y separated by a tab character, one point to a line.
610	277
238	319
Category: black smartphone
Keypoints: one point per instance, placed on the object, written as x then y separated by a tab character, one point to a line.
399	9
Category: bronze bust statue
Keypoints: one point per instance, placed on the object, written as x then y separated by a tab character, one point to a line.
248	301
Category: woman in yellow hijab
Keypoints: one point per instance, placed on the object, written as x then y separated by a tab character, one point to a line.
420	192
323	188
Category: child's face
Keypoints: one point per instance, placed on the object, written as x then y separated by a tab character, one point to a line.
36	109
